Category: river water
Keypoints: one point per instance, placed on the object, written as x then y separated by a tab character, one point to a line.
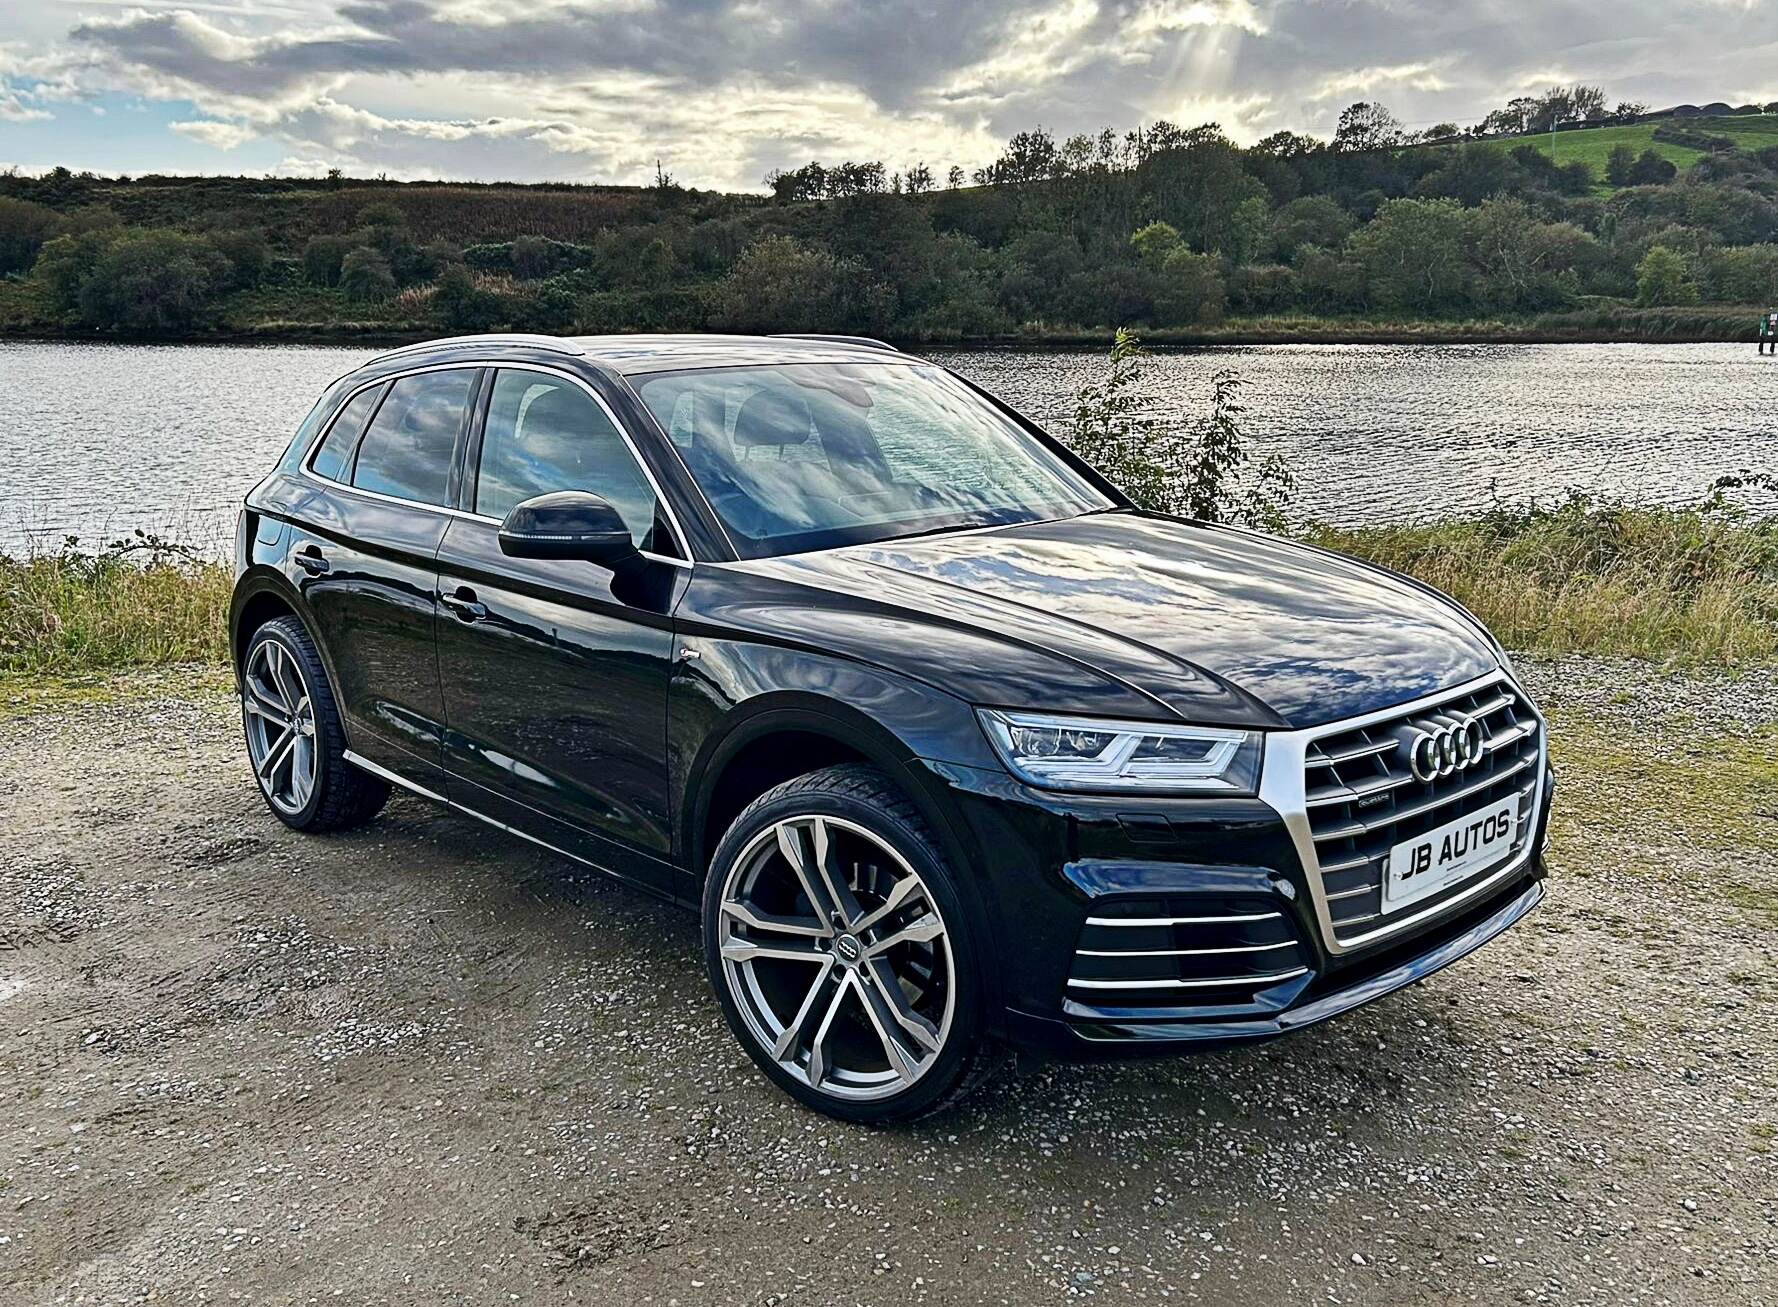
99	440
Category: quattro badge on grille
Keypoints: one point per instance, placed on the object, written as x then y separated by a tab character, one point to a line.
1446	748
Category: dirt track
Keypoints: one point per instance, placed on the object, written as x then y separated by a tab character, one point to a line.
428	1063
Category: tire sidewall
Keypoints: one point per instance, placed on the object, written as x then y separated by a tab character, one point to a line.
921	852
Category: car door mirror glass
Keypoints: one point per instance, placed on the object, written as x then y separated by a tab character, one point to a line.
572	524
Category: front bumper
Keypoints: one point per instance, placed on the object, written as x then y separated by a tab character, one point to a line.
1082	895
1310	1003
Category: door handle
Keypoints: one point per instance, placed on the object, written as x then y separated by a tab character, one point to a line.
463	603
312	561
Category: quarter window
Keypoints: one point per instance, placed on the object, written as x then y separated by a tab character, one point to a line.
342	437
407	450
545	434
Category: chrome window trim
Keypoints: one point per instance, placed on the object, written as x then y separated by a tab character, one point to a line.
1281	786
679	536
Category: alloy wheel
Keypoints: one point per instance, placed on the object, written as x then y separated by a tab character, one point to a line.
836	953
280	720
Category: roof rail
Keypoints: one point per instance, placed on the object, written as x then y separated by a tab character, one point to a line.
554	344
866	342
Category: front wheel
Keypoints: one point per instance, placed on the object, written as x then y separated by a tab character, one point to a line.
841	952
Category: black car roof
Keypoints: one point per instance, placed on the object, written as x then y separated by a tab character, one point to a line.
629	355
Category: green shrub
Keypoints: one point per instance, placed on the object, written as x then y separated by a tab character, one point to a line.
365	275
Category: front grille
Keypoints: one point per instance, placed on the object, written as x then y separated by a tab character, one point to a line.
1176	952
1363	798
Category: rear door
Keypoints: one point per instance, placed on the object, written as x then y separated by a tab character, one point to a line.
555	673
366	557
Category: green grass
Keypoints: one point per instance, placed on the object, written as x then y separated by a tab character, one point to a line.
1593	145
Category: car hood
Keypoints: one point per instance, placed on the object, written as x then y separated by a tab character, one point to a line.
1214	624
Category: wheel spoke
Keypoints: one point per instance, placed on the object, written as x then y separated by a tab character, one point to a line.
266	706
277	663
838	891
818	1045
275	754
889	989
748	915
747	950
905	888
790	844
876	1009
921	930
302	770
792	1034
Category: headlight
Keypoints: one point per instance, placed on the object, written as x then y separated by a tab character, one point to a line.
1082	753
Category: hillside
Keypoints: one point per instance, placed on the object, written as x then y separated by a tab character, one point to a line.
1179	232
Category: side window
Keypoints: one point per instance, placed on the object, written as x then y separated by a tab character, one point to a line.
544	434
407	451
342	436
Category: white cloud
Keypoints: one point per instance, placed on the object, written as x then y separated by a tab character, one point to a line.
1368	81
219	135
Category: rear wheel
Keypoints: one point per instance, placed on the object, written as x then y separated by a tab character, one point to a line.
295	741
840	950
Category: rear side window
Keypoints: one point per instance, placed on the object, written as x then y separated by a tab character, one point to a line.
342	436
407	451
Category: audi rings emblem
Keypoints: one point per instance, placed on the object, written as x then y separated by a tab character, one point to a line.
1447	748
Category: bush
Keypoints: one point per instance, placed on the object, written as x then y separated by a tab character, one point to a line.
462	306
1167	470
365	275
1413	255
1263	288
779	284
323	257
1663	278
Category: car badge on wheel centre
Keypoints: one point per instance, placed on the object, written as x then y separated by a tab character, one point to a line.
1446	748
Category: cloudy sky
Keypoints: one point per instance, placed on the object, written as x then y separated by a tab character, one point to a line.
721	91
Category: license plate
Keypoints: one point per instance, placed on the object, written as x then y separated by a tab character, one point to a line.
1428	863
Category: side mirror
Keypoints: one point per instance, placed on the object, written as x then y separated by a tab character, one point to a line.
573	524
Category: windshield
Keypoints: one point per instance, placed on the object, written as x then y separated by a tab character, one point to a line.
810	455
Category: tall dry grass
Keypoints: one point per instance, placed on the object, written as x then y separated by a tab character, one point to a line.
137	603
1698	584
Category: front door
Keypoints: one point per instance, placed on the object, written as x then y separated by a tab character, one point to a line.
555	673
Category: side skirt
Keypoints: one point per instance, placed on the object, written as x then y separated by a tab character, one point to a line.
365	764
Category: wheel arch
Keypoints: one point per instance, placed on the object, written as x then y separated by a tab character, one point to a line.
787	734
264	594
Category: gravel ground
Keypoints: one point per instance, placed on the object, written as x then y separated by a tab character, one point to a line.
426	1063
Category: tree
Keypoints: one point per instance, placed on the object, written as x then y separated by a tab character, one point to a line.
24	227
919	179
1250	231
365	275
1311	220
1663	278
152	283
1155	242
954	178
1366	126
1620	165
1413	254
1189	290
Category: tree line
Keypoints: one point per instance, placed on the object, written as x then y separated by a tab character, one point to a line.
1161	227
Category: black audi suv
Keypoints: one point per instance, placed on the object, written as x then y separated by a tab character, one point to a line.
953	749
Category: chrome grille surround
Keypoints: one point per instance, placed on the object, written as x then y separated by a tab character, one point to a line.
1346	794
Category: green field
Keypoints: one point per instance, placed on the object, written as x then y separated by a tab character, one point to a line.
1594	145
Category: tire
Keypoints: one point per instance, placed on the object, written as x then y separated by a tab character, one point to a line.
285	693
896	1003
